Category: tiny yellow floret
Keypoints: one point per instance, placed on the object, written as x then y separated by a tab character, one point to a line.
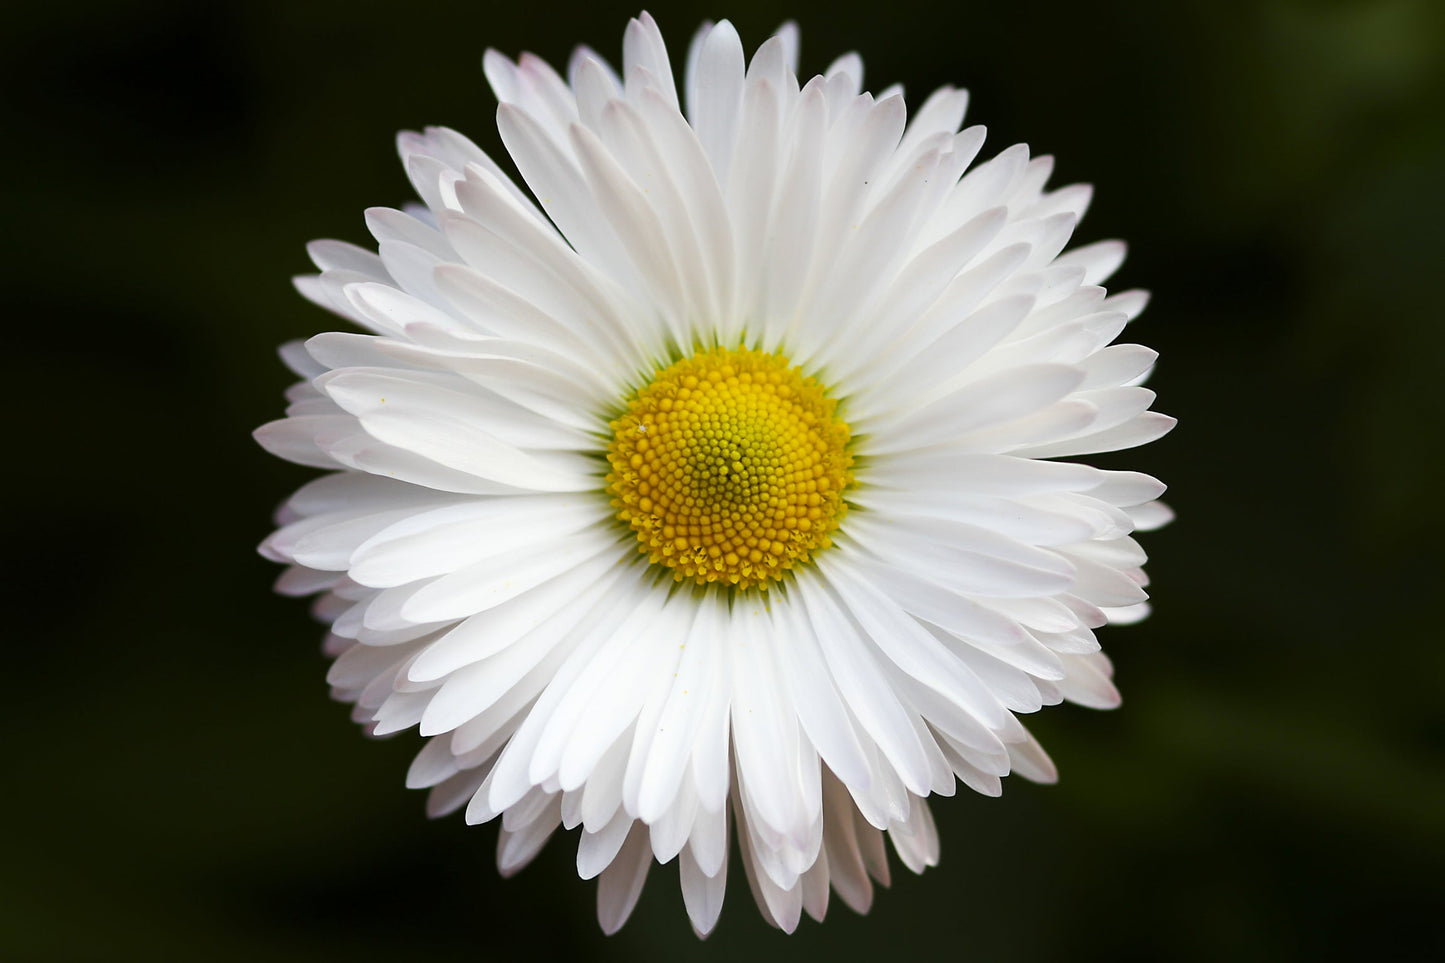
730	466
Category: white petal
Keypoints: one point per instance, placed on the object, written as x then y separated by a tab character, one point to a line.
701	894
1030	761
602	796
670	833
985	474
552	174
1127	614
856	673
655	647
978	405
1098	260
472	690
595	851
642	46
1088	682
516	848
763	725
571	695
793	222
787	34
848	874
389	225
510	779
950	324
341	256
295	439
918	848
711	767
299	580
1140	430
709	840
701	189
815	697
1016	518
498	239
440	425
698	673
715	94
966	569
942	111
489	583
652	169
749	198
948	362
1151	516
981	627
923	282
637	228
447	797
781	907
621	882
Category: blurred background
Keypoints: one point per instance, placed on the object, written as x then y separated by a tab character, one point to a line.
178	783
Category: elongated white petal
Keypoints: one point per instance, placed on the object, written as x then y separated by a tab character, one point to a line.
701	894
621	882
491	582
715	93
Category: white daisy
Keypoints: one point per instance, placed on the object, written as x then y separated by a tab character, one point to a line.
713	486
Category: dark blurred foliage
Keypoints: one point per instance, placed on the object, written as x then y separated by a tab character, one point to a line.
177	783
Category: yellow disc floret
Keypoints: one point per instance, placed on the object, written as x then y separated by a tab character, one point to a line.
730	466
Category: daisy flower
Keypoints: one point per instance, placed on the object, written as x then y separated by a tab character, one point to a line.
712	494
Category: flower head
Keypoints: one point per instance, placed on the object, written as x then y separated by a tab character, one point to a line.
718	482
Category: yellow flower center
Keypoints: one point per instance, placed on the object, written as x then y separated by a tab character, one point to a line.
730	466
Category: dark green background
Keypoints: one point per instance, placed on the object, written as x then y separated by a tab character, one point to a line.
178	784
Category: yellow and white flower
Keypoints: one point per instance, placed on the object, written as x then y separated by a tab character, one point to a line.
718	483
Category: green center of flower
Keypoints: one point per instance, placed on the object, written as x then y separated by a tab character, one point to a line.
730	467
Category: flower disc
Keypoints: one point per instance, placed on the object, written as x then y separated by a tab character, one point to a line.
730	467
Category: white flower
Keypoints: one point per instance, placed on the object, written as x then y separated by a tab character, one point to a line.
712	487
